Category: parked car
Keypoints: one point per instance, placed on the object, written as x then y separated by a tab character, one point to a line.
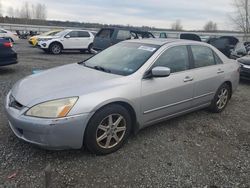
232	41
221	44
8	35
7	55
240	50
163	35
131	85
34	39
107	37
244	67
190	36
67	40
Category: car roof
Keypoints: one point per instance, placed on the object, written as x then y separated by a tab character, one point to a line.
162	42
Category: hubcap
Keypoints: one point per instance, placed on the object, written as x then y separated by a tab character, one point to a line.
56	49
111	131
222	98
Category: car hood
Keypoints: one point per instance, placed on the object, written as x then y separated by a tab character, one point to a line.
245	60
65	81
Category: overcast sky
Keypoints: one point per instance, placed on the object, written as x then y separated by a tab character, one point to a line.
158	13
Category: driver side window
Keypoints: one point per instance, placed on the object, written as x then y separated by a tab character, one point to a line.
175	58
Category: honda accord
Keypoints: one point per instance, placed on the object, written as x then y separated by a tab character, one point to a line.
99	102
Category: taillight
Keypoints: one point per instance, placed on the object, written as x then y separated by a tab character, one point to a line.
8	44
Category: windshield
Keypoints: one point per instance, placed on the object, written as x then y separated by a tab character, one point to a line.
123	59
61	33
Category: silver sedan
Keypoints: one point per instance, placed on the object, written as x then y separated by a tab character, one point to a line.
101	101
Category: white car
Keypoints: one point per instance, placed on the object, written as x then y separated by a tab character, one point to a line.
67	40
8	35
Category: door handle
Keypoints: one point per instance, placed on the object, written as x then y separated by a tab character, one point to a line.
188	79
220	71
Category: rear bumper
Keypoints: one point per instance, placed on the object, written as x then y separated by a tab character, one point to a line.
8	59
56	134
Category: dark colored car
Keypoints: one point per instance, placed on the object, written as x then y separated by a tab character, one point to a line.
107	37
222	44
7	55
190	36
232	41
244	67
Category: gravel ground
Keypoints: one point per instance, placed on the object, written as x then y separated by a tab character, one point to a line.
196	150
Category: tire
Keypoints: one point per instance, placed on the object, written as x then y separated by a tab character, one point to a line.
90	48
102	126
55	48
221	99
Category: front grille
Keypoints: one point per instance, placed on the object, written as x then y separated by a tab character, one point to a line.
15	104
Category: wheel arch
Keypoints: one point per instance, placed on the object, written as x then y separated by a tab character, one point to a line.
56	42
127	106
229	83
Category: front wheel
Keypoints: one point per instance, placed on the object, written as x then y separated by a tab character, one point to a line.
55	48
108	130
221	99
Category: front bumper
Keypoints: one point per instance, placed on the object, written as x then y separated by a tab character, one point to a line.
56	134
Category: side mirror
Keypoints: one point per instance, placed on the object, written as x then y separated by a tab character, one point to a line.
248	53
158	72
67	36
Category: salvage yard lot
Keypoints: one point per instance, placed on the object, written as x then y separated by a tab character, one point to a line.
196	150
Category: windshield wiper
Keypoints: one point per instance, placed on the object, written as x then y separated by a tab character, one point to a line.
100	68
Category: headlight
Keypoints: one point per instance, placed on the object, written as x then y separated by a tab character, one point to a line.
53	109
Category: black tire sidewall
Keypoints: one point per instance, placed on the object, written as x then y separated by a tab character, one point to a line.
90	132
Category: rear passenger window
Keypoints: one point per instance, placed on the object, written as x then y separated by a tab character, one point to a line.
83	34
123	35
217	59
105	33
203	56
175	58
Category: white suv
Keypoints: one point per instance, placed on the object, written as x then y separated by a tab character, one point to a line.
67	40
8	35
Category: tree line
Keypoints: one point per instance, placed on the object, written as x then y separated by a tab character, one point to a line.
26	11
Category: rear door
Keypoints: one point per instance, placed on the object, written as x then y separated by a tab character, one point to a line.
209	73
167	96
103	39
85	39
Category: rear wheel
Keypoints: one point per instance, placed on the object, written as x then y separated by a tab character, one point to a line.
55	48
108	130
90	48
221	99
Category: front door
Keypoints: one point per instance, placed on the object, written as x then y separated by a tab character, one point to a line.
167	96
71	40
